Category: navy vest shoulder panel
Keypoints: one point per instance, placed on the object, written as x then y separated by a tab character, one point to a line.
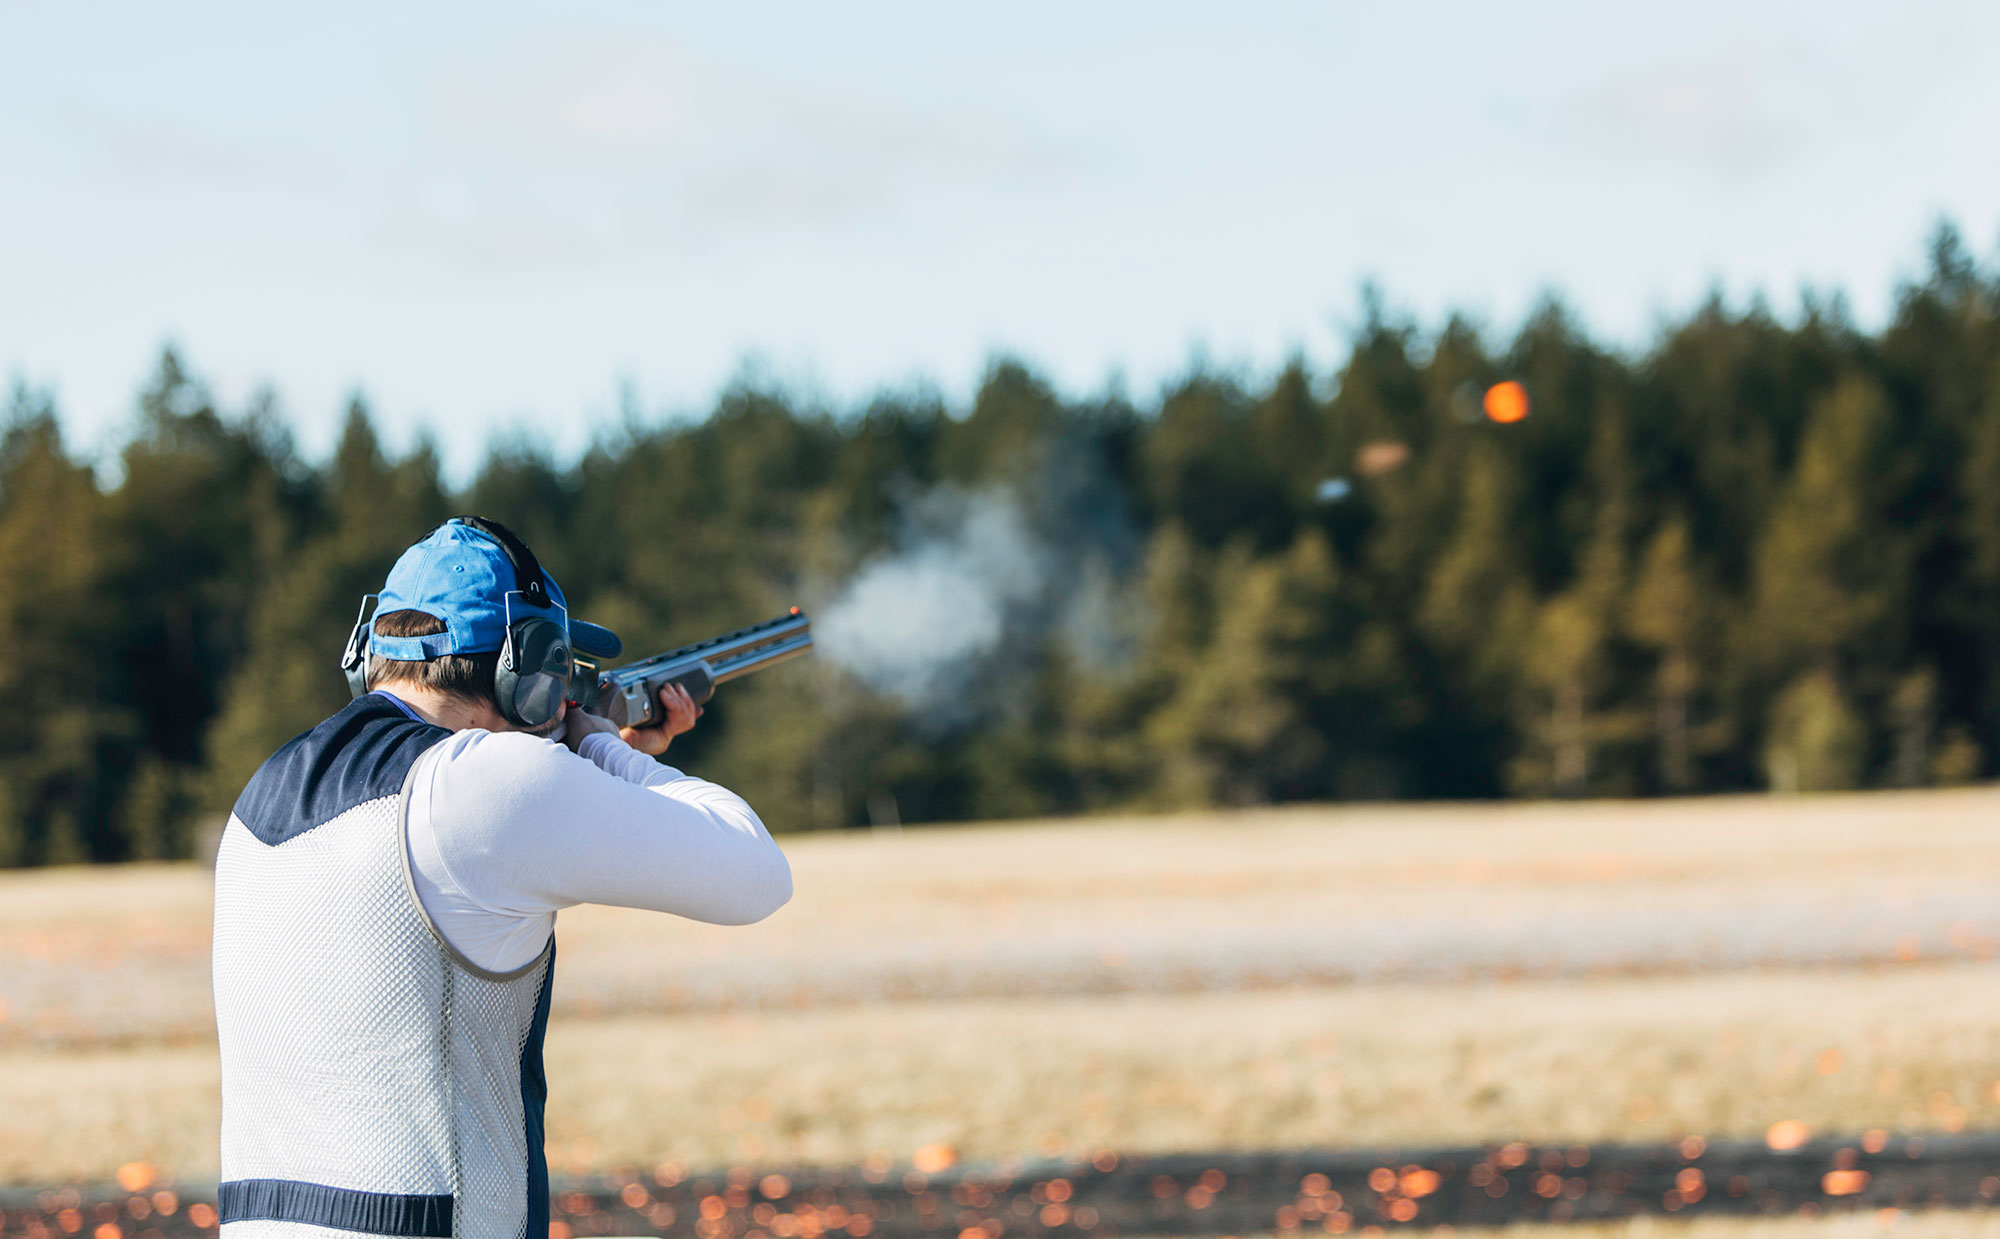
358	755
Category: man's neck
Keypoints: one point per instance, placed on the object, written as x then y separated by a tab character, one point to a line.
441	710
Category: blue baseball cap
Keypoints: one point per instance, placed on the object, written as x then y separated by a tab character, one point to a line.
465	577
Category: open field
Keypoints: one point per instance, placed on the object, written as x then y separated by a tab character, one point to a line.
1260	980
1631	1059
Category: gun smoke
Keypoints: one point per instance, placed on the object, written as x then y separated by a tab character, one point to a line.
972	591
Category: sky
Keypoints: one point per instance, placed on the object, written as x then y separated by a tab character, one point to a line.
507	219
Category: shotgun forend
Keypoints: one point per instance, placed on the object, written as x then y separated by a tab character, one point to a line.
630	696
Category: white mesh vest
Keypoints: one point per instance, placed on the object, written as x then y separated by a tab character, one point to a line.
374	1081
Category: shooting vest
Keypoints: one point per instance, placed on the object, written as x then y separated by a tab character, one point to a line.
374	1081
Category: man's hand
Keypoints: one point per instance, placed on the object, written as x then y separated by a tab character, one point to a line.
576	725
680	714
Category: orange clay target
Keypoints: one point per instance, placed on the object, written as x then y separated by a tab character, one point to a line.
1507	402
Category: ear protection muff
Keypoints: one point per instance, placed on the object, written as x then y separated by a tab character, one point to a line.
532	681
354	659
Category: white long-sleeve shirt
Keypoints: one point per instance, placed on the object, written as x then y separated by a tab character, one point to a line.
506	829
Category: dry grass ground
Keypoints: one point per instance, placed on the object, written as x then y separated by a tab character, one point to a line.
1625	1059
1311	977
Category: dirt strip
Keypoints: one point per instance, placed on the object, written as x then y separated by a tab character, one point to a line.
1337	1192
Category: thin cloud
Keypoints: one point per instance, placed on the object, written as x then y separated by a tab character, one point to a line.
606	148
1726	116
1737	107
149	154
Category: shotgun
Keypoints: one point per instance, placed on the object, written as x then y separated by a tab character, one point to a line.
630	695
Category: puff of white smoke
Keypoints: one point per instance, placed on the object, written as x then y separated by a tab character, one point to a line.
916	624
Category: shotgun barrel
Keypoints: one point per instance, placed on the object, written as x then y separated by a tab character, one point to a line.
630	695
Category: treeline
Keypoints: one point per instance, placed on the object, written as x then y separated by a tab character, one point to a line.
1761	555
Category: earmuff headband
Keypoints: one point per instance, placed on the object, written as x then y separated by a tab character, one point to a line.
528	577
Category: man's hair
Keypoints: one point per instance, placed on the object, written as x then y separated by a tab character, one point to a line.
468	677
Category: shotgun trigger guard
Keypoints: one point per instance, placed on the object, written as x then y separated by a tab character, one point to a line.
637	708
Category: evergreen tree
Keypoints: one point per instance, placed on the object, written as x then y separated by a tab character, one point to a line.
200	494
1977	487
1816	742
1571	657
1831	572
1239	729
1477	606
62	733
1202	470
1667	614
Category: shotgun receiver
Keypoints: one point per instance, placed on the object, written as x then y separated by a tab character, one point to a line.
630	695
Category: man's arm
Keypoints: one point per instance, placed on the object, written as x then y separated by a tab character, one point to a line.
522	828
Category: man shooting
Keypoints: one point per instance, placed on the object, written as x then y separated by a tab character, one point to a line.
386	894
